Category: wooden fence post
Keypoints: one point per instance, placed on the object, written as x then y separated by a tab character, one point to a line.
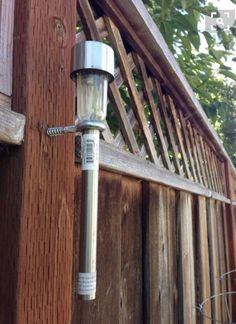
36	180
230	223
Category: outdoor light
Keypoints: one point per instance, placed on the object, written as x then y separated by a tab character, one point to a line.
93	69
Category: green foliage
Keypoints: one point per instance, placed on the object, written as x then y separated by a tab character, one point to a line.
207	72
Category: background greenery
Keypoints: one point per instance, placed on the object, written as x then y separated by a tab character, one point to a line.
208	70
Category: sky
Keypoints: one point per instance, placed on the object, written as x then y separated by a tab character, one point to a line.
228	16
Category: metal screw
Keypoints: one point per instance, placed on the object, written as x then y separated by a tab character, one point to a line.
55	131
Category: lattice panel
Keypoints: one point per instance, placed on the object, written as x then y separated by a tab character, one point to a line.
143	117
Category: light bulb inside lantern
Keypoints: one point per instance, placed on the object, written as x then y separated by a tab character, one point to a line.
91	95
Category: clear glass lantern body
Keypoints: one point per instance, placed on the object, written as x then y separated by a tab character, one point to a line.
91	95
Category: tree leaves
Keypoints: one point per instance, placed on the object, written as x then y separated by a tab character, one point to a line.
228	74
207	72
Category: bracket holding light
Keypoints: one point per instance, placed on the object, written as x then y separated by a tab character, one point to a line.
93	69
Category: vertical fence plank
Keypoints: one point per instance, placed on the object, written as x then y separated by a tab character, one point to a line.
222	260
214	259
203	269
36	225
160	255
131	306
227	255
187	259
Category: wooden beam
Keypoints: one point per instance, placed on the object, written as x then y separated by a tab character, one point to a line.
37	179
120	161
6	45
5	101
11	127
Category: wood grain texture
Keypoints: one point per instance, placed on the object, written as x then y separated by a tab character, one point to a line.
187	266
36	187
214	259
131	296
119	161
6	45
11	127
5	101
160	277
222	260
203	262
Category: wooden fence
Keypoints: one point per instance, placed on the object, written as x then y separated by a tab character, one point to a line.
167	195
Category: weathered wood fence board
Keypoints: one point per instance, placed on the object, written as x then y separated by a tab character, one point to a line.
160	277
203	271
107	304
36	186
167	191
187	266
119	291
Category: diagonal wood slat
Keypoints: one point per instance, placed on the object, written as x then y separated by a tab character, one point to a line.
116	39
216	171
194	150
92	32
179	135
200	157
163	113
187	144
205	165
156	121
212	172
100	24
208	162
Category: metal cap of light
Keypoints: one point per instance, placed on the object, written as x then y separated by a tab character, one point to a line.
93	69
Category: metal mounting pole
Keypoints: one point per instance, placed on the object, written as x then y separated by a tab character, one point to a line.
88	236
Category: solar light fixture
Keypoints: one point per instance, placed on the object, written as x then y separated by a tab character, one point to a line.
93	69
